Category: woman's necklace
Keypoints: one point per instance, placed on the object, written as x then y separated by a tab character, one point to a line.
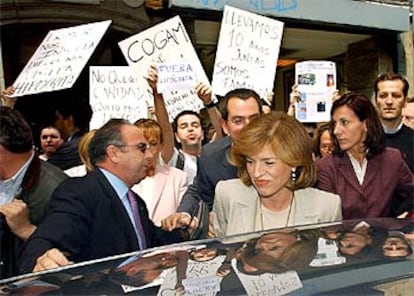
288	215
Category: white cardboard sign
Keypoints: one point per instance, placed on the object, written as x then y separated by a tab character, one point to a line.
60	58
116	92
166	42
247	52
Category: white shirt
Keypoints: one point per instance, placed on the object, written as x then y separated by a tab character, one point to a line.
11	187
190	164
359	170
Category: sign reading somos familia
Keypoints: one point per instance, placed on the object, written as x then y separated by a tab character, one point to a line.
59	59
166	42
247	52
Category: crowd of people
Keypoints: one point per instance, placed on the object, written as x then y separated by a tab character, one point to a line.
130	186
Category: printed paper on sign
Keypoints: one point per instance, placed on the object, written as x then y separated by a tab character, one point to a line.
316	81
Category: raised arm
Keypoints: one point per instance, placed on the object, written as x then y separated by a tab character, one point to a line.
204	93
162	116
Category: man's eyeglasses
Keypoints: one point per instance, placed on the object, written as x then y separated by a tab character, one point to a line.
143	147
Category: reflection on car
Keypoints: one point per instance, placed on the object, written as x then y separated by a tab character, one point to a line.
355	256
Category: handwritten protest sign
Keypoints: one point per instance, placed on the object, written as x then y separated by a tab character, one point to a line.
248	47
316	81
59	59
269	283
166	42
173	76
116	92
200	278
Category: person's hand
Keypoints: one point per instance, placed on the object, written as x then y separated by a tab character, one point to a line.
269	96
179	290
224	269
16	213
294	96
6	98
335	95
204	92
52	258
151	112
211	233
179	220
152	77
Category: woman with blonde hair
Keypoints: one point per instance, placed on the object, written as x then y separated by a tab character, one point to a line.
164	186
86	166
276	174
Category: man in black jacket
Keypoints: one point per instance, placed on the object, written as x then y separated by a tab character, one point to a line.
72	119
93	216
26	184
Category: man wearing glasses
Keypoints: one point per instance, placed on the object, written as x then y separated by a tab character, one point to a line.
98	215
240	106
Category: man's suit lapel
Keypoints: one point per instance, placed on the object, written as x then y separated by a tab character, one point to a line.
121	218
373	167
347	171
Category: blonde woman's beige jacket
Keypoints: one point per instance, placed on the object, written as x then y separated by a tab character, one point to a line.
235	207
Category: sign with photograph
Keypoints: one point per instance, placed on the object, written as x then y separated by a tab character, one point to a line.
248	48
166	42
316	81
60	58
116	92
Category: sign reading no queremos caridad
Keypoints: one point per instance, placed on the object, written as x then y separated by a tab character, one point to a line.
60	58
247	52
166	42
116	92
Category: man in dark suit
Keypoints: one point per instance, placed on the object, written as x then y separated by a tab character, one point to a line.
240	106
391	93
72	119
26	185
93	216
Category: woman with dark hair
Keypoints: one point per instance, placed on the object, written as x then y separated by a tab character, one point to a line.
364	172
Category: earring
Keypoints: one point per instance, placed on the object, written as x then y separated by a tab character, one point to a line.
293	175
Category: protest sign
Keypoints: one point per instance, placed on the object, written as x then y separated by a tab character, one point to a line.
316	81
166	42
175	75
248	48
269	283
60	58
116	92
